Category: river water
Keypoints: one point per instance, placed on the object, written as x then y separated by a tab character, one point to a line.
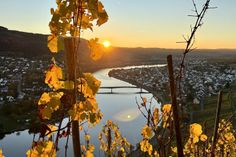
120	107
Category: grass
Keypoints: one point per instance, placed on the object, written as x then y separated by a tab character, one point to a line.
207	115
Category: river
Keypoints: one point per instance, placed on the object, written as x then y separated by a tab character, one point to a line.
120	107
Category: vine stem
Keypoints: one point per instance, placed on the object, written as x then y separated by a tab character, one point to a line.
190	40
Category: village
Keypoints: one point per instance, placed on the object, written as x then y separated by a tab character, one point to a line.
21	79
200	78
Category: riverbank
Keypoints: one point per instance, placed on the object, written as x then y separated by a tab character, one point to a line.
161	97
203	81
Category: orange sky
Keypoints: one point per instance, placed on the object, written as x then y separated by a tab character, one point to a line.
136	23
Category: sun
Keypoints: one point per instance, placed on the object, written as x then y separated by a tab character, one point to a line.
106	43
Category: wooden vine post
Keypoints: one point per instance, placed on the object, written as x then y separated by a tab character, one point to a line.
216	126
175	106
71	62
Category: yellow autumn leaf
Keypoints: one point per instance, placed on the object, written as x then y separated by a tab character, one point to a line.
156	116
77	111
52	104
83	148
55	44
1	155
89	154
220	142
144	99
86	22
156	154
166	108
44	99
102	18
52	80
42	149
96	51
46	112
87	137
52	43
91	148
165	124
166	115
147	132
92	82
122	149
195	139
57	71
53	77
88	85
100	7
49	147
150	149
174	149
85	18
32	153
90	105
229	137
145	146
195	130
81	127
203	138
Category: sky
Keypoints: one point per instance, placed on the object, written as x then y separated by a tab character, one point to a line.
136	23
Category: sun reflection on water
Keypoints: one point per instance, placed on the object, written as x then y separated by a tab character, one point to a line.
127	115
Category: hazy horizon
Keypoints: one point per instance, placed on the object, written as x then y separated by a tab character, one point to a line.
115	46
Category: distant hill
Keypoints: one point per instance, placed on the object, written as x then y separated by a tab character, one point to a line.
22	44
16	43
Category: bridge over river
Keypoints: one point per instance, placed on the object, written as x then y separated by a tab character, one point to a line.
111	90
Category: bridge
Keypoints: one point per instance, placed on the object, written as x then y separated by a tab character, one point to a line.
111	91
